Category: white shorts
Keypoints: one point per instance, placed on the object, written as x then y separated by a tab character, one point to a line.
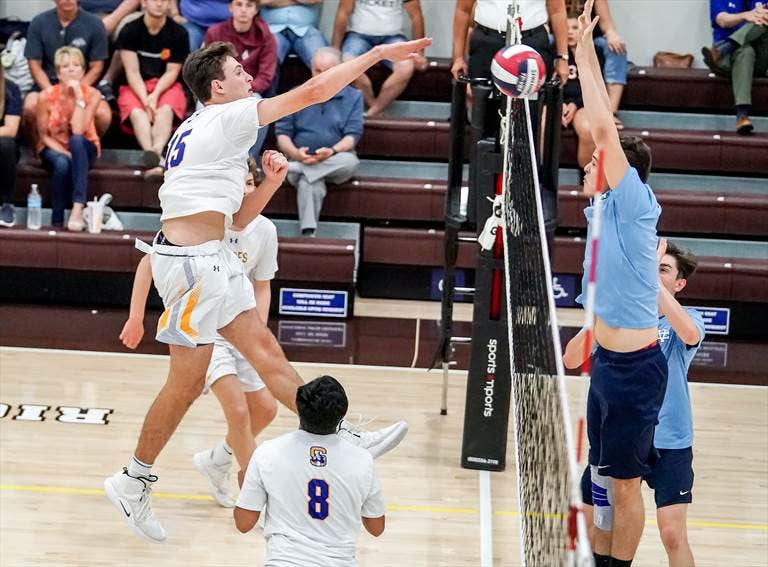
203	289
226	360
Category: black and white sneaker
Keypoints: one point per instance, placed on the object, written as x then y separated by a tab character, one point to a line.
131	496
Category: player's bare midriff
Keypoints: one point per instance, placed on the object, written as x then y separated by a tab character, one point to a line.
194	229
620	339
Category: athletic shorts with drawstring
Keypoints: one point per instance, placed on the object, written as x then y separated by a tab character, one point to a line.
203	289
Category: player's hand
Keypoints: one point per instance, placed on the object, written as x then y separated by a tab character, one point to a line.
132	333
459	67
403	50
586	26
661	249
569	111
275	166
615	42
322	154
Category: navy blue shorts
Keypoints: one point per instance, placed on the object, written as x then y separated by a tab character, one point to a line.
625	396
671	479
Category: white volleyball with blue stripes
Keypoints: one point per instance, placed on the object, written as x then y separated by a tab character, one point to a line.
518	70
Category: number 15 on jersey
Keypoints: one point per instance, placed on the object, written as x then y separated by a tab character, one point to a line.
176	148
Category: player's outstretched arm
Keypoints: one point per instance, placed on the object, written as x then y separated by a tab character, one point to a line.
275	168
374	526
573	357
133	330
323	86
596	101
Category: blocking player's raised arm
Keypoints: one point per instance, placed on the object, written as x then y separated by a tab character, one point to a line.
596	102
323	86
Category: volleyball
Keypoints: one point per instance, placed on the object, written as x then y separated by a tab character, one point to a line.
518	70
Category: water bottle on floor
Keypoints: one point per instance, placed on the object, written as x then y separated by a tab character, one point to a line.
34	209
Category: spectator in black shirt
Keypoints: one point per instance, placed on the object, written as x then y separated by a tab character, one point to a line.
153	50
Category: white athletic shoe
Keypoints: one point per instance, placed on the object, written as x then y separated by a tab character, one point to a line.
217	477
131	496
376	442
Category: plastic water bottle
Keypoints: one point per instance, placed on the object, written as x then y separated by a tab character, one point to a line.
34	209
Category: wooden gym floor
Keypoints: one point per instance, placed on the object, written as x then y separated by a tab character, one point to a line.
53	512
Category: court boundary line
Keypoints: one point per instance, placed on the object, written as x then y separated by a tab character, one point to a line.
331	365
649	521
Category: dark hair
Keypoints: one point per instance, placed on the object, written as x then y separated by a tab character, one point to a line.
321	405
638	155
253	169
686	260
204	65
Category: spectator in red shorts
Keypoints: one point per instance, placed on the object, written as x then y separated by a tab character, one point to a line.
153	49
255	46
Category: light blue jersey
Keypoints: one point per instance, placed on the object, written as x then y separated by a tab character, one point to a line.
675	428
627	293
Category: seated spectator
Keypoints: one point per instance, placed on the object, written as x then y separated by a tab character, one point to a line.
113	13
574	114
68	141
65	25
255	47
362	25
197	16
739	50
10	118
613	49
294	24
320	141
153	49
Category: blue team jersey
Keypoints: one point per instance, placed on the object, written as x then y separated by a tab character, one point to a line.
675	428
627	293
731	7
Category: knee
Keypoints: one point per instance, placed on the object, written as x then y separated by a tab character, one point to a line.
745	53
672	536
267	412
238	416
625	490
188	391
77	142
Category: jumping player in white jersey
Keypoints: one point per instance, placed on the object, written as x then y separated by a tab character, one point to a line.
248	405
202	284
316	488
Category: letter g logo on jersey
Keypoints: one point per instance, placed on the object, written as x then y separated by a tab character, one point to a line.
318	456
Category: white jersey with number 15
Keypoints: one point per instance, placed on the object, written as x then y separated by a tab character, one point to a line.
315	489
205	165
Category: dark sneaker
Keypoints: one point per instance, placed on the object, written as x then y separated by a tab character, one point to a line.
150	159
106	90
8	216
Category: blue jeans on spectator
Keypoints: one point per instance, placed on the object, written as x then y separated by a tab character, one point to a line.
304	46
356	44
196	34
615	70
69	177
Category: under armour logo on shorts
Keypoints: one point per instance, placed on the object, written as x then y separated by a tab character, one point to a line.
216	269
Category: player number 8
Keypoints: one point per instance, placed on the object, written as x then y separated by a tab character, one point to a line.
317	491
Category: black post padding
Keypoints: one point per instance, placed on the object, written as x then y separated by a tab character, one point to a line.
486	413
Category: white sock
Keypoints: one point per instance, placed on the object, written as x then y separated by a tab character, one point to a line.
222	454
138	469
